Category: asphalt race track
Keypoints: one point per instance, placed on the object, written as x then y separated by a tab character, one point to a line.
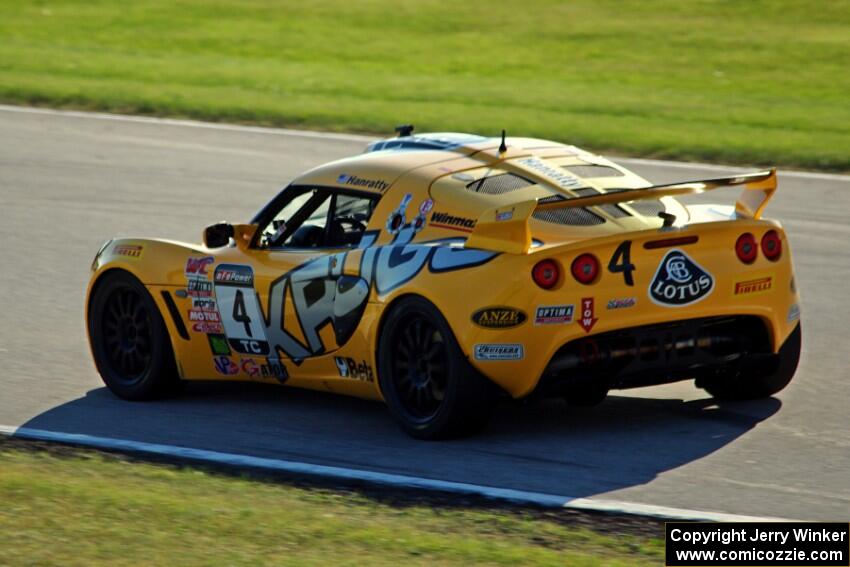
67	183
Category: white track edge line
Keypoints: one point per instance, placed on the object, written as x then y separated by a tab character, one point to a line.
379	478
366	139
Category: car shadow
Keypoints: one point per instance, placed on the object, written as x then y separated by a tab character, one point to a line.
540	446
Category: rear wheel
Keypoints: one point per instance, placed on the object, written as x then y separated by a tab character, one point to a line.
429	386
129	340
760	384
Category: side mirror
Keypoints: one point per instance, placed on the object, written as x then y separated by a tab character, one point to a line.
218	235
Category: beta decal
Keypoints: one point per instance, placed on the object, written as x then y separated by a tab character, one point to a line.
499	352
345	179
445	220
621	303
130	250
218	344
679	281
498	317
197	267
269	369
350	368
225	366
754	286
554	314
587	320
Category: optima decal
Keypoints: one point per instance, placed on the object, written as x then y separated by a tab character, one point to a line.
554	314
679	281
498	317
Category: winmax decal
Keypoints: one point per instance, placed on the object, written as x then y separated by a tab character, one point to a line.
679	281
445	220
498	317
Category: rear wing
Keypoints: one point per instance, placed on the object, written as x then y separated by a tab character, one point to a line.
506	229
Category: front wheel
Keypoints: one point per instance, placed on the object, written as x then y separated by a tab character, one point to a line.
129	340
760	384
429	386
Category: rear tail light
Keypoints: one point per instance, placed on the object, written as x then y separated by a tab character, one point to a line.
771	245
546	273
585	268
746	248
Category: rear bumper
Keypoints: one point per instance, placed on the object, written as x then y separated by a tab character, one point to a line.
661	353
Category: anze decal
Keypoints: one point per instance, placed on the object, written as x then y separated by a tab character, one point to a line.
554	314
587	320
498	317
679	281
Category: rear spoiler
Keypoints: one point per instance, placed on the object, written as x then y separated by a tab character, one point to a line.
505	229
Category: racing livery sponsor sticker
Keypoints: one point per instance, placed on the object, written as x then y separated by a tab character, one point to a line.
621	303
554	314
129	250
225	366
445	220
201	315
753	286
498	317
199	288
350	368
264	368
243	321
499	352
218	344
197	267
208	327
679	281
397	218
355	181
587	320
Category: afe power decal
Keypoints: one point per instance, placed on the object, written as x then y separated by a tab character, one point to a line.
554	314
498	352
679	281
498	317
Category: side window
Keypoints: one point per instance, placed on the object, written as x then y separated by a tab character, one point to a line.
317	218
350	216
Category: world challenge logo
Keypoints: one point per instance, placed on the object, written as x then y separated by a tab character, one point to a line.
679	281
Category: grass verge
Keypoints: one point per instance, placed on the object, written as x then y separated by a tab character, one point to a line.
77	507
742	82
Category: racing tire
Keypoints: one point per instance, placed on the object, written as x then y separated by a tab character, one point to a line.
429	386
760	385
129	340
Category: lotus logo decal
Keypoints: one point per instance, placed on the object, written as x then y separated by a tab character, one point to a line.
679	281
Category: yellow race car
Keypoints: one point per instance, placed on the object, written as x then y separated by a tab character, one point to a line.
439	271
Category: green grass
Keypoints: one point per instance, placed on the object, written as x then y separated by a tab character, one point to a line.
89	510
746	82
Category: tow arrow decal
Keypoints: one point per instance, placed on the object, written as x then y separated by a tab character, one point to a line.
587	320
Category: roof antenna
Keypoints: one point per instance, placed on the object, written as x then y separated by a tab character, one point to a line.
404	130
503	147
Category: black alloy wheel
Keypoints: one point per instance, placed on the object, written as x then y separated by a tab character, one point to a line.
427	382
129	340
